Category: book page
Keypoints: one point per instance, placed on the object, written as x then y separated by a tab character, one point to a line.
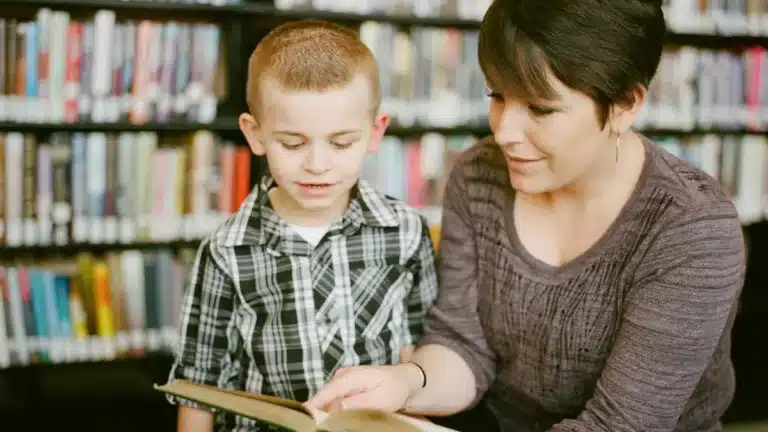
364	421
373	421
283	412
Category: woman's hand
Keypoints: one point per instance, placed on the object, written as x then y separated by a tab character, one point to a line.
385	388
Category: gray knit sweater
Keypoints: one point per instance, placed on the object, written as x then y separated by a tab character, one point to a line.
633	335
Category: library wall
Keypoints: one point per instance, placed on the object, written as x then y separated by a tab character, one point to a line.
120	149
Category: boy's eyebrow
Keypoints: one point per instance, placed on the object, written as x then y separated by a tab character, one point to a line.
290	134
344	132
332	135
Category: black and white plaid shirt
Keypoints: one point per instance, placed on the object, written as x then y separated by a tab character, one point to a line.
266	312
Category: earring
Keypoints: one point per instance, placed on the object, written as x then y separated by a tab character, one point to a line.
618	141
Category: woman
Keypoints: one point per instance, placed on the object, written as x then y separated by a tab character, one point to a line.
588	278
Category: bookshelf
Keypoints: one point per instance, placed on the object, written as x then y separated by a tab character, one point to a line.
92	386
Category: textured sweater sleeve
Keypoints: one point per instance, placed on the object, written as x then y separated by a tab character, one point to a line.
674	316
454	321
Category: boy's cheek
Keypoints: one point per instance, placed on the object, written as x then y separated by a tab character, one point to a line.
283	167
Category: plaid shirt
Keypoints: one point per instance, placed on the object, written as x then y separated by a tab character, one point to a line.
265	312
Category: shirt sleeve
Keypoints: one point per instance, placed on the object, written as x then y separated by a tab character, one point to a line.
422	295
454	321
674	318
208	336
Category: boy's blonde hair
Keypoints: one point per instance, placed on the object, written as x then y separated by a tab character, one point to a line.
310	55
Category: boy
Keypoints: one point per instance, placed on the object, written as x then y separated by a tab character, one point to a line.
316	270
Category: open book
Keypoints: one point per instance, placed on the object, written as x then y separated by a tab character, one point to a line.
294	415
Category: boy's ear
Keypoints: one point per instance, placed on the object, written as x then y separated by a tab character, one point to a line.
250	128
380	124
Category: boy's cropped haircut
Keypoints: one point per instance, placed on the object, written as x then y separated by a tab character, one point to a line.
603	49
310	55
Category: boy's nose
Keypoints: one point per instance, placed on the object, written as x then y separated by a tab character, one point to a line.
316	161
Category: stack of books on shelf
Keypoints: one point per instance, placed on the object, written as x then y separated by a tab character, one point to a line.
124	304
429	76
738	162
416	170
117	187
720	17
463	9
58	69
748	17
699	88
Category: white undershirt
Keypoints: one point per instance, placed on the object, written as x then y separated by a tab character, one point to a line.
312	235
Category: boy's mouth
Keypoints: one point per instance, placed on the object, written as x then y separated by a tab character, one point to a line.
316	185
315	189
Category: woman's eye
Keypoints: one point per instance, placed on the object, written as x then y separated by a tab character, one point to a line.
540	111
493	95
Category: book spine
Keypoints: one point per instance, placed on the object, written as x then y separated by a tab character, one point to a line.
44	194
61	155
30	230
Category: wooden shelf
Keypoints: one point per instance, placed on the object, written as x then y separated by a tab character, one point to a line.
219	125
403	20
130	8
716	41
75	248
229	125
650	131
164	358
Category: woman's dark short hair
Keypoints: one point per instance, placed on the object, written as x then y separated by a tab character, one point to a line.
602	48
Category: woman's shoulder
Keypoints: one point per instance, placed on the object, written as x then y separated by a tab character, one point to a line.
686	216
481	162
685	185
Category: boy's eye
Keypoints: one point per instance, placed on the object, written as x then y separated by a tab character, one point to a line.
290	145
540	110
342	144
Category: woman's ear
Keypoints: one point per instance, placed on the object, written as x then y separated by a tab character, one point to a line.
624	113
250	129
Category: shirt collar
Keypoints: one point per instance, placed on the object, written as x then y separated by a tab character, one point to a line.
265	228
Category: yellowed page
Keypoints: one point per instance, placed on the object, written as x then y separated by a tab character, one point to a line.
374	421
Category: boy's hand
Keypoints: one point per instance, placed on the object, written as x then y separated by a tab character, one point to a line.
194	419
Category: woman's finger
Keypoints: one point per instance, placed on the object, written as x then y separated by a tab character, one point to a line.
340	386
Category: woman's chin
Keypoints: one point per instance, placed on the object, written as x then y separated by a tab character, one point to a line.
530	184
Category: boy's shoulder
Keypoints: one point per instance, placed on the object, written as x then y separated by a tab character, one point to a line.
385	210
239	227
